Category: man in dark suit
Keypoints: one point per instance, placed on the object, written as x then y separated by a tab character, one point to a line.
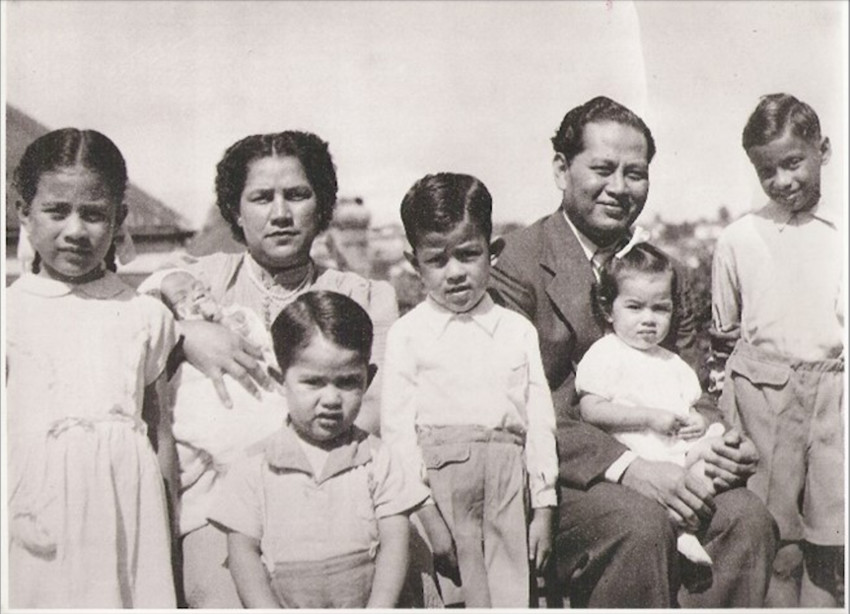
616	541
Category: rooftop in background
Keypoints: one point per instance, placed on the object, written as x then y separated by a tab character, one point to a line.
148	220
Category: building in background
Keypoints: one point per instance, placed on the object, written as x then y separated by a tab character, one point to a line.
157	231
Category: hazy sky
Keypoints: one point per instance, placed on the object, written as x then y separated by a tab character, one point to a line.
400	89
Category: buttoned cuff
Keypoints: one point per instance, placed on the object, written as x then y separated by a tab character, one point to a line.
615	472
548	497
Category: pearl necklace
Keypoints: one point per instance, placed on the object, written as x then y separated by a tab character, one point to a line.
274	293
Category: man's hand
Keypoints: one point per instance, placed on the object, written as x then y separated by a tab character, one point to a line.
215	350
685	497
730	460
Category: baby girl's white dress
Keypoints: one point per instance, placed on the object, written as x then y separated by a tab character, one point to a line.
655	377
88	524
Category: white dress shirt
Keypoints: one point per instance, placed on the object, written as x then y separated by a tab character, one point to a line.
482	367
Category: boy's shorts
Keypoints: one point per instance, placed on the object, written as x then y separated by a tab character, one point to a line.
793	411
344	581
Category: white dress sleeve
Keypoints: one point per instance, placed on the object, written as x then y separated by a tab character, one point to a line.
161	337
597	371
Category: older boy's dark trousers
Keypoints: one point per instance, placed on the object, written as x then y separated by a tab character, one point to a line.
617	548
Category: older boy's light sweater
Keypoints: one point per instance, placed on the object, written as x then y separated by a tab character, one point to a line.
776	279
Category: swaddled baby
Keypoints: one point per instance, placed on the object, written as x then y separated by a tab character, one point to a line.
210	436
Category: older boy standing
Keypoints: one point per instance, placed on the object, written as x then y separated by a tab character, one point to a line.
775	295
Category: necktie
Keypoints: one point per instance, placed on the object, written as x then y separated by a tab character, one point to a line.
600	257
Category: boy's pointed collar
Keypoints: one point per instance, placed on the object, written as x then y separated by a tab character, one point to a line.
782	217
105	287
484	314
283	451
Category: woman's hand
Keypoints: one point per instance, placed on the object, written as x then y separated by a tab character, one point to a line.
215	350
694	426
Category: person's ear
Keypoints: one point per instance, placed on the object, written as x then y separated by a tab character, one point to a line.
333	250
825	150
276	375
371	372
120	215
496	247
559	169
411	258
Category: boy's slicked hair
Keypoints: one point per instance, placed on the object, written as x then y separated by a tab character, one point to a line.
439	202
311	151
569	139
641	258
337	317
777	113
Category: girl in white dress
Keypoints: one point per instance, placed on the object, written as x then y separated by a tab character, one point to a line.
88	520
630	386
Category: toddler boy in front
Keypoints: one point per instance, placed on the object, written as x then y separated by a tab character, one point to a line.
465	400
775	295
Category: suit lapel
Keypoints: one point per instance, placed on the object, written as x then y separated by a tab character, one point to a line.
572	280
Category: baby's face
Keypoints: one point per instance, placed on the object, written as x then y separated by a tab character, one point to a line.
641	313
188	297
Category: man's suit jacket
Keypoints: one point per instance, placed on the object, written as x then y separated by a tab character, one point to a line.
544	274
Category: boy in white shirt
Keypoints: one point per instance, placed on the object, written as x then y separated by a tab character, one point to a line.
774	287
465	400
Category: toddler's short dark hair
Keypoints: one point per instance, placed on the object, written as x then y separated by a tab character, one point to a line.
641	258
337	317
439	202
777	113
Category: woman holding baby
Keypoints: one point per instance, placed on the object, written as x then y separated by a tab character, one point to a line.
277	193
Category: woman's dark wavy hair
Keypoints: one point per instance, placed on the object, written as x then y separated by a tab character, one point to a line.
641	258
69	147
776	113
311	151
569	139
438	202
337	317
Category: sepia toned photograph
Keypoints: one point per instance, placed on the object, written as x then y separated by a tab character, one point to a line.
424	304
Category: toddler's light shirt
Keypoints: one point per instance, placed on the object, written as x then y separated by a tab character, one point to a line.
273	496
656	377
